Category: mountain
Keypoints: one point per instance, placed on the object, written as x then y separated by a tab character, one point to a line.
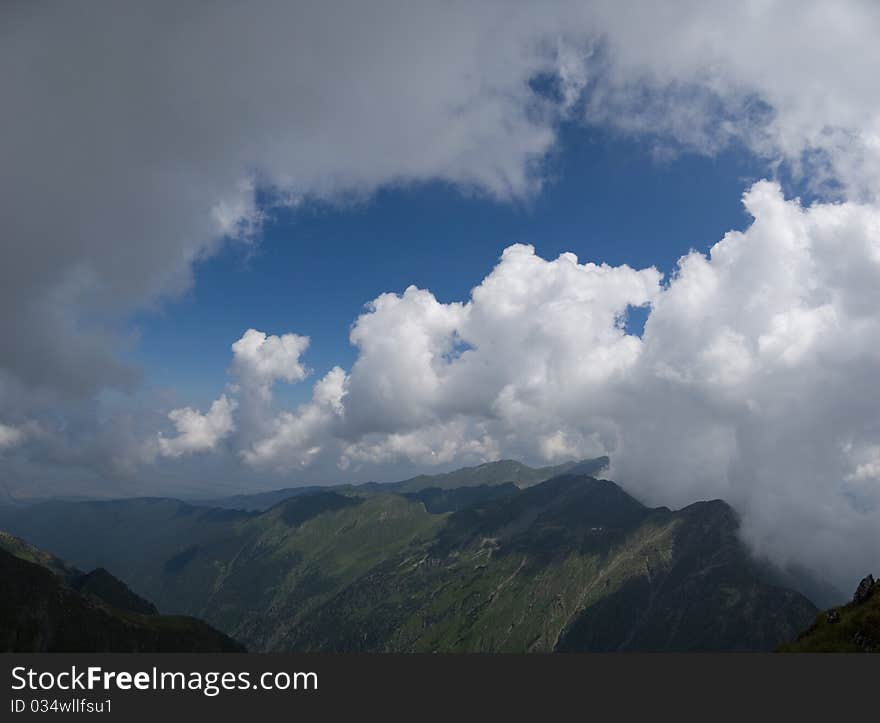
438	500
257	501
98	583
502	472
49	606
850	628
572	563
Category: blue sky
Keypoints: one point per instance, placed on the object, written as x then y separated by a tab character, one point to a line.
606	198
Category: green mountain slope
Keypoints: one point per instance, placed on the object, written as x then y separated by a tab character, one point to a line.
572	563
850	628
41	612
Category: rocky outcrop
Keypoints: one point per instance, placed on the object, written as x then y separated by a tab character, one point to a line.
850	628
864	590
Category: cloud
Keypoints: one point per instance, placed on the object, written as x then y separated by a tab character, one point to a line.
297	438
752	384
197	432
259	360
534	337
705	75
10	436
132	157
142	135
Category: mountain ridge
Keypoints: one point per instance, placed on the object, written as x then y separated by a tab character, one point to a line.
498	472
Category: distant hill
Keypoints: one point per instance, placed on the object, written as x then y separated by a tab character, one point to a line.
438	500
850	628
260	501
570	564
49	606
505	471
500	472
122	536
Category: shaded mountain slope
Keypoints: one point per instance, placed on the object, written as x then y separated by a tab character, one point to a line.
101	584
31	553
39	612
708	594
97	584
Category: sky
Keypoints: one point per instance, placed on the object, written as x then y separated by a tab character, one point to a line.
437	238
247	247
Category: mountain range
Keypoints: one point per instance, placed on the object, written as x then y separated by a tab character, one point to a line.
505	471
499	557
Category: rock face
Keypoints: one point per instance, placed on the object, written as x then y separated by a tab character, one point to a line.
39	612
850	628
864	590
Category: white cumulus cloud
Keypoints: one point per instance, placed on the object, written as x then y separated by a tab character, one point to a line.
197	432
260	359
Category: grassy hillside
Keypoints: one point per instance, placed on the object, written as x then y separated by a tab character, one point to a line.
850	628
